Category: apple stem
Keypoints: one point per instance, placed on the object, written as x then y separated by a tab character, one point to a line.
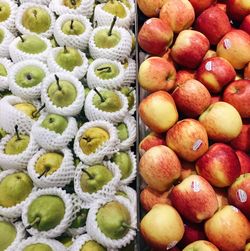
106	69
37	220
22	39
90	176
57	82
112	26
44	172
99	94
17	133
73	2
71	24
131	91
125	225
34	114
65	49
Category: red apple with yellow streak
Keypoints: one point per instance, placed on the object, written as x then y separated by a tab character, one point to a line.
247	71
184	75
150	8
238	9
210	54
245	25
244	161
201	245
200	6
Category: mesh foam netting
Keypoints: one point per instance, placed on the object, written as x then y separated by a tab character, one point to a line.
45	2
130	72
7	39
131	195
4	83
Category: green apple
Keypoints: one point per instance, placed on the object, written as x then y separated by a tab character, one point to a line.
128	92
48	163
92	246
107	71
4	11
123	161
36	19
65	240
62	93
72	4
115	8
73	27
3	71
113	220
2	133
14	189
80	220
93	138
31	44
68	58
8	231
123	133
55	122
1	35
107	38
94	178
38	247
107	100
29	76
46	212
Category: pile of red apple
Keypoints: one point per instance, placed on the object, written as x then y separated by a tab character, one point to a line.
195	159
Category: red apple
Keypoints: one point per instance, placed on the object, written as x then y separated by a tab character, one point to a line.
222	6
219	165
194	198
200	6
239	194
213	23
179	14
221	121
221	195
238	95
167	55
188	138
238	9
247	71
215	73
187	169
151	140
150	8
160	167
158	111
150	197
201	246
210	54
215	99
245	25
235	47
155	36
191	98
244	161
162	227
156	74
228	229
242	142
189	48
183	75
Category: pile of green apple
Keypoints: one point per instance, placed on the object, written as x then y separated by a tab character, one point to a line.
39	58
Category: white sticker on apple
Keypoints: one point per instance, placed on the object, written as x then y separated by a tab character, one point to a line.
197	144
195	185
242	195
209	66
227	43
171	245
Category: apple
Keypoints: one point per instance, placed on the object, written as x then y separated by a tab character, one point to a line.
221	121
238	95
245	25
215	99
155	36
194	198
167	55
215	73
247	247
188	138
189	48
238	9
162	227
210	54
242	142
156	74
158	111
222	6
200	6
151	140
247	71
187	169
221	195
184	75
228	229
244	161
219	165
150	197
239	193
160	167
191	98
150	8
234	47
178	13
201	245
213	23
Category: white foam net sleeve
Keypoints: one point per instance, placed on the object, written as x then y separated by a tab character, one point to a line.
7	39
26	93
16	210
20	235
131	193
130	72
18	55
104	18
107	190
79	71
94	81
10	116
4	83
70	110
79	242
22	9
94	231
77	41
107	148
45	2
94	113
65	222
85	8
51	140
53	244
60	178
119	52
